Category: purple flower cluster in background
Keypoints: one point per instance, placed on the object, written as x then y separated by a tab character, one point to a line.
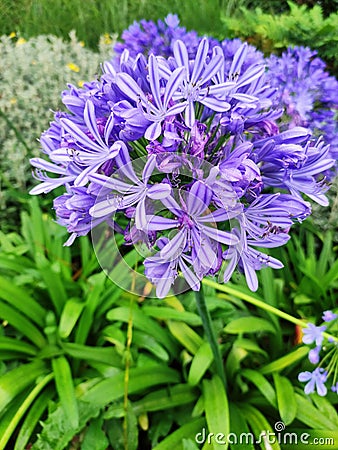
317	379
180	145
307	92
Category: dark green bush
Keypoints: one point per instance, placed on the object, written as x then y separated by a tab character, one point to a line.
298	26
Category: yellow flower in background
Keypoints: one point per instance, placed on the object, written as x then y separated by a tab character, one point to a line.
82	43
107	39
12	35
80	83
73	67
13	101
20	41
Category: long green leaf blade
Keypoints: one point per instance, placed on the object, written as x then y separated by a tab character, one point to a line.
216	409
22	324
65	388
286	399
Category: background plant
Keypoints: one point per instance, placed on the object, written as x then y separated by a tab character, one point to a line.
298	26
33	73
72	344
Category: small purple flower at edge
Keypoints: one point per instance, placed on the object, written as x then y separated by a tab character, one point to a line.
313	334
328	316
316	381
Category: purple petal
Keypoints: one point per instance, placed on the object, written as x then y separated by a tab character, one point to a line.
250	275
82	179
157	223
129	87
189	116
40	163
90	120
149	168
321	388
159	191
238	59
176	109
220	236
79	135
229	270
199	62
244	98
164	284
175	246
219	89
154	81
199	198
181	55
140	215
173	84
189	276
305	376
250	75
124	163
215	104
49	185
153	131
212	68
101	209
172	205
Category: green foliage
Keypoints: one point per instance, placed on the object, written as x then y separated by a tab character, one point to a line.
72	376
299	26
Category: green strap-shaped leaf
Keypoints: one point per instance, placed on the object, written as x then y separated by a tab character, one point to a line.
175	439
286	399
260	428
185	335
163	313
15	346
200	364
144	340
65	389
144	323
262	385
32	418
311	416
69	316
19	298
141	378
16	380
249	325
238	428
285	361
21	323
216	410
180	394
106	355
326	408
54	284
21	410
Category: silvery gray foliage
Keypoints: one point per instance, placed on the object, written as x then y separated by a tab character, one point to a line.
32	75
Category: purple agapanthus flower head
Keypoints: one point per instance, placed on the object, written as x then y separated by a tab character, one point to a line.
182	145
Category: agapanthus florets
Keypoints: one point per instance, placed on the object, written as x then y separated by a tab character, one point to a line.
183	153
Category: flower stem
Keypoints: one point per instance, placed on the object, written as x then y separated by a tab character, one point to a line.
210	333
260	304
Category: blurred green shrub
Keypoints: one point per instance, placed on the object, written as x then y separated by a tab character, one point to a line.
299	26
